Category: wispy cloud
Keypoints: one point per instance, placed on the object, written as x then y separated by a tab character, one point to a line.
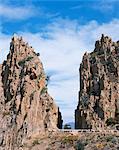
102	6
61	53
17	13
13	12
77	7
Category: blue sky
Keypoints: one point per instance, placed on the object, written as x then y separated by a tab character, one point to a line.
61	31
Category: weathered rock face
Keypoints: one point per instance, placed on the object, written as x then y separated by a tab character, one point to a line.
99	86
26	108
60	121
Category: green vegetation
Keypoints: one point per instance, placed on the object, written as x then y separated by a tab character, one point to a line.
40	76
22	62
5	113
85	102
79	146
35	142
93	54
69	139
109	138
29	58
44	90
101	52
22	74
67	126
32	94
110	121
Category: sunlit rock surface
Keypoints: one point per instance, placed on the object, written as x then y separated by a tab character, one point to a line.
26	108
99	86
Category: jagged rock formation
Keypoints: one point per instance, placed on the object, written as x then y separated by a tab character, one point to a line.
99	86
60	120
26	108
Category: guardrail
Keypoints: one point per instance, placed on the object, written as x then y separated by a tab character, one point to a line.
87	130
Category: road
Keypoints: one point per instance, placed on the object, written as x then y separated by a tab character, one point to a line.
87	131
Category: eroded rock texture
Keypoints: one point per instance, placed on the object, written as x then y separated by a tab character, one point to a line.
26	108
99	86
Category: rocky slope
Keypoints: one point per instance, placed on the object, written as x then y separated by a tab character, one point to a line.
98	104
74	141
26	108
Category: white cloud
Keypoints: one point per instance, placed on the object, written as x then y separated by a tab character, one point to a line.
4	46
21	12
27	11
62	46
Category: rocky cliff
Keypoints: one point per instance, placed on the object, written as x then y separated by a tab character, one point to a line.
26	108
98	104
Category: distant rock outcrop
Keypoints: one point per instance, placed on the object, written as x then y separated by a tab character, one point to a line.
26	108
98	104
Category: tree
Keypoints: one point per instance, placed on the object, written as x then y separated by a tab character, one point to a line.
67	126
110	121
